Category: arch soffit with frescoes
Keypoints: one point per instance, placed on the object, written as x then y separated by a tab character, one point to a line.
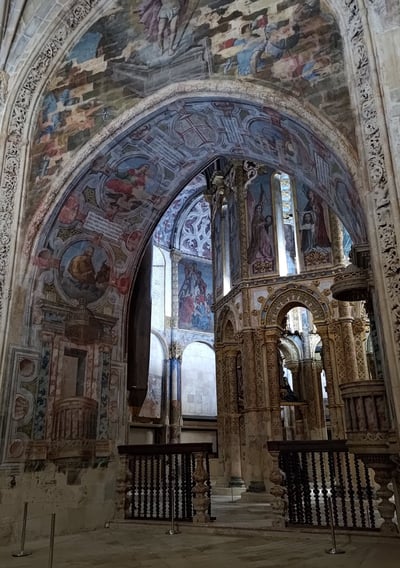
121	194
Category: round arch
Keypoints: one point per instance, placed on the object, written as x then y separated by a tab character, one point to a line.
277	306
299	126
85	201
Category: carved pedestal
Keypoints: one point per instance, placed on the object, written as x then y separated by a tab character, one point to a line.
278	491
201	500
123	499
74	428
371	438
383	467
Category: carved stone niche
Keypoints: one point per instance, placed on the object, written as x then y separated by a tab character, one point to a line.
74	428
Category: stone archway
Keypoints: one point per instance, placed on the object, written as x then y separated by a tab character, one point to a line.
284	299
272	317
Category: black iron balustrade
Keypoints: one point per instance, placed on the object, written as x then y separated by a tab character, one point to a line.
158	476
315	472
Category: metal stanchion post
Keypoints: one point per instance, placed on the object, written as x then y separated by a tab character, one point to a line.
22	551
232	493
173	529
51	549
332	550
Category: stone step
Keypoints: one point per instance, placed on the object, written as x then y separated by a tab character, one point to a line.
227	491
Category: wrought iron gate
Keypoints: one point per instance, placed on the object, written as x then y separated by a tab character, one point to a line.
320	471
160	480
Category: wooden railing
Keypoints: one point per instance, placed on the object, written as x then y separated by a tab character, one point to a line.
322	471
162	481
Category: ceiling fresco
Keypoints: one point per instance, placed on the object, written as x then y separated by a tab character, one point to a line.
139	47
93	240
166	228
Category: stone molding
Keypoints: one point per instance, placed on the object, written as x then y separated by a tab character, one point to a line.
290	296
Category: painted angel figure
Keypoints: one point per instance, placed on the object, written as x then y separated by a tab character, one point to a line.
161	18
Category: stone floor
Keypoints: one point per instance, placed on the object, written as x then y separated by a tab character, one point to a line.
240	537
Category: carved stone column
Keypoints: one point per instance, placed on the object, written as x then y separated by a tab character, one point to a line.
360	336
349	346
175	390
337	239
236	479
311	387
375	363
253	442
271	342
222	411
335	405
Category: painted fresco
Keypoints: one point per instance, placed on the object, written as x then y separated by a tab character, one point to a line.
261	249
162	235
151	407
315	240
116	203
84	271
195	295
195	234
140	47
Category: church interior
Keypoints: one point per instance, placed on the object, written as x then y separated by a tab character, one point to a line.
199	268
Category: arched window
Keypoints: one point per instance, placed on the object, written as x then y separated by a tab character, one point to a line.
158	284
199	395
286	225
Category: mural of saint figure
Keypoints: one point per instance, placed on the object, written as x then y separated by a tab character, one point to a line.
261	238
194	299
317	216
85	271
161	19
307	229
128	188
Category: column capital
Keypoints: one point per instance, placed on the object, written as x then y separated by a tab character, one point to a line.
175	350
